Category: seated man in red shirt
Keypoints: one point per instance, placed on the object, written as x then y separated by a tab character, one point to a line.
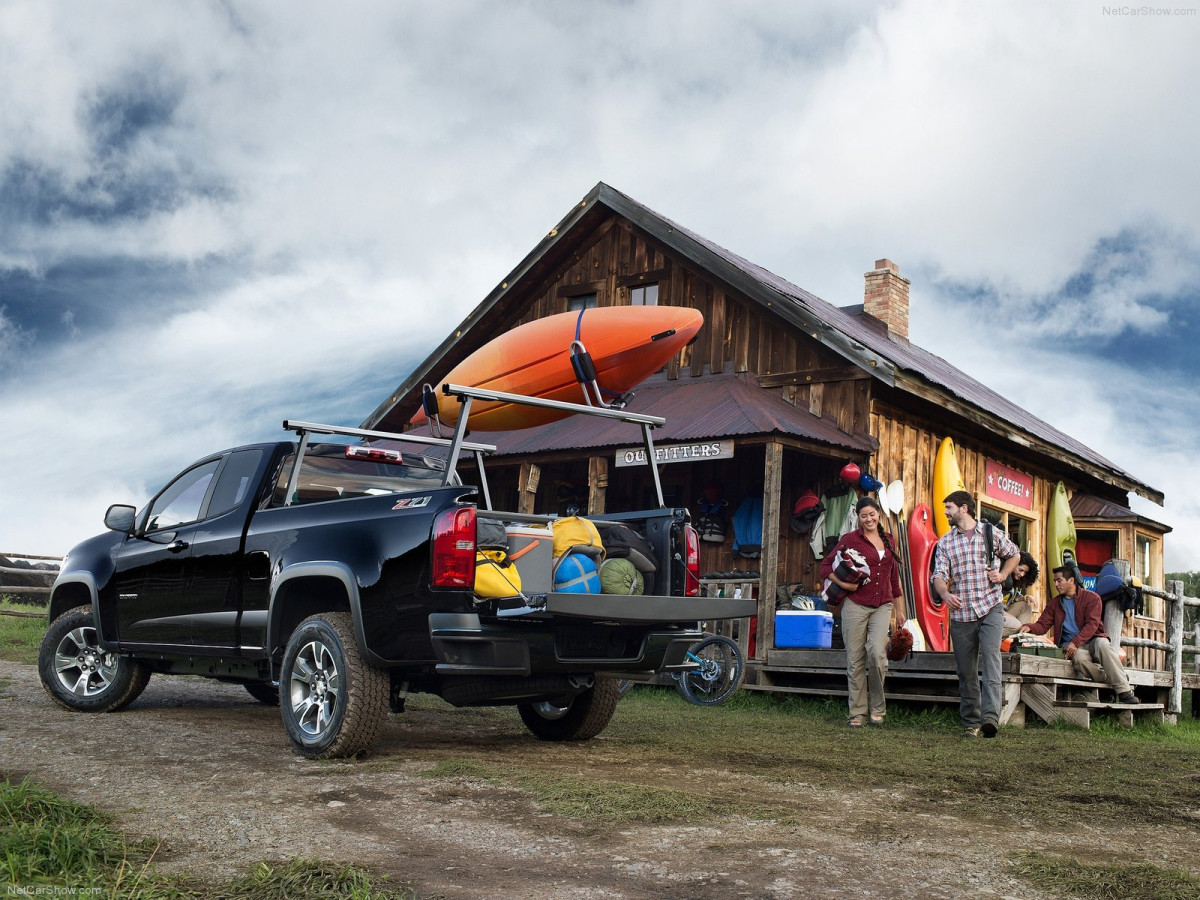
1076	617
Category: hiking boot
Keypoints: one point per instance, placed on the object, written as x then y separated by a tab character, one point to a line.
989	729
971	733
1128	697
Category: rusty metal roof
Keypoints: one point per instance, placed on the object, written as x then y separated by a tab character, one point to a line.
1087	506
715	406
858	338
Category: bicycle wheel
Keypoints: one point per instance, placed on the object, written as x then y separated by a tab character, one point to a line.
720	673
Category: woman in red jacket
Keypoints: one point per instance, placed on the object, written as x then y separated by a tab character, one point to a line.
872	608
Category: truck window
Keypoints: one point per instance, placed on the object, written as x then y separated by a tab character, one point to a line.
326	474
234	481
181	500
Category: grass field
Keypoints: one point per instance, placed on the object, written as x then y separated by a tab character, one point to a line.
47	842
20	636
1147	777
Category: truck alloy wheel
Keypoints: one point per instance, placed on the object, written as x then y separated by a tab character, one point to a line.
81	675
332	703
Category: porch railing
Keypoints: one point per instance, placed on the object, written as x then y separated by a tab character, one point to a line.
1174	646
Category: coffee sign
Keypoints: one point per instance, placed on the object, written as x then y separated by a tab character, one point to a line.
1008	485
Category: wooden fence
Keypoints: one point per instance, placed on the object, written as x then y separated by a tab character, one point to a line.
1175	645
29	584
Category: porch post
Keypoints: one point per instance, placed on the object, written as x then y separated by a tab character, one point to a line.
527	485
597	485
772	485
1175	640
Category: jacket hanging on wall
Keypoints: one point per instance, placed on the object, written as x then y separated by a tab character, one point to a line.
806	512
839	518
747	528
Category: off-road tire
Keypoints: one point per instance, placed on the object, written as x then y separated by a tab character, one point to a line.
331	701
586	716
263	691
99	681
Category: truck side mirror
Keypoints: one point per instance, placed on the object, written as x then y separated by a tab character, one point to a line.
120	518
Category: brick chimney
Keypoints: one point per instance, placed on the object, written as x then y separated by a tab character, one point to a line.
886	297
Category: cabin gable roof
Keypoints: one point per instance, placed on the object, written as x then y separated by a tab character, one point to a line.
847	331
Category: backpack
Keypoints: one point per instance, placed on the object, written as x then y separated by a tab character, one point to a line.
710	523
1114	584
989	549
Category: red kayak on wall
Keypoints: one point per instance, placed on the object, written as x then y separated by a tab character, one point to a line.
932	614
626	345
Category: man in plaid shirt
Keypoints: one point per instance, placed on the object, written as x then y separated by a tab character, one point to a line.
976	605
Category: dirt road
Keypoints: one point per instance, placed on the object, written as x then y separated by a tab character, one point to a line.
205	768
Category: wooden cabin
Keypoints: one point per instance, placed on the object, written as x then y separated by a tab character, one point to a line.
778	392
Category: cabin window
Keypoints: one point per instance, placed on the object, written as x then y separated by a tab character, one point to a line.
1016	527
644	295
582	301
1146	563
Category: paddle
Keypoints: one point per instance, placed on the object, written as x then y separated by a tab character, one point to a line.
895	495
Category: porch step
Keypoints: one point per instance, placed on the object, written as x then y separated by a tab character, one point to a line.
835	692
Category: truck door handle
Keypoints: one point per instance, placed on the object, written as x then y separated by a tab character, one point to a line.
178	546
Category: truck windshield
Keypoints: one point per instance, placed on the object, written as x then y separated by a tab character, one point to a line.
327	474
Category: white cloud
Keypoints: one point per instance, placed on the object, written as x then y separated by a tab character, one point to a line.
369	173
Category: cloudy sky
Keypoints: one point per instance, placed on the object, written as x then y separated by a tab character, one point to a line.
215	215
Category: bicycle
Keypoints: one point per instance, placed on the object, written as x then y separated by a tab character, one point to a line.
720	671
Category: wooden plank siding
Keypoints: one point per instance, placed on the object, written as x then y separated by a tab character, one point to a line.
907	448
738	335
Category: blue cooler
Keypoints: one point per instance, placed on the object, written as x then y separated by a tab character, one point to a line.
807	628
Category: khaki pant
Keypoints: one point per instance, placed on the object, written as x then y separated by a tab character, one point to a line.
1016	614
865	634
1100	650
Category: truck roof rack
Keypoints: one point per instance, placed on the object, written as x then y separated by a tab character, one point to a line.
458	443
465	396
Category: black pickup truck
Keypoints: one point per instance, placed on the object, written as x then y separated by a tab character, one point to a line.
338	577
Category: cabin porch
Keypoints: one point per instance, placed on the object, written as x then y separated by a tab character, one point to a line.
1043	685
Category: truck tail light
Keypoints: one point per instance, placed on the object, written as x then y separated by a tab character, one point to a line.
374	454
691	559
454	548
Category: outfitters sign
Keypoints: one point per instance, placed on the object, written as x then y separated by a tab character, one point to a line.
672	453
1008	485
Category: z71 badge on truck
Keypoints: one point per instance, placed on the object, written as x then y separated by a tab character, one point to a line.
337	577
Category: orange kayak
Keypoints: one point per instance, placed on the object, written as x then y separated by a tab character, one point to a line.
627	344
932	615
